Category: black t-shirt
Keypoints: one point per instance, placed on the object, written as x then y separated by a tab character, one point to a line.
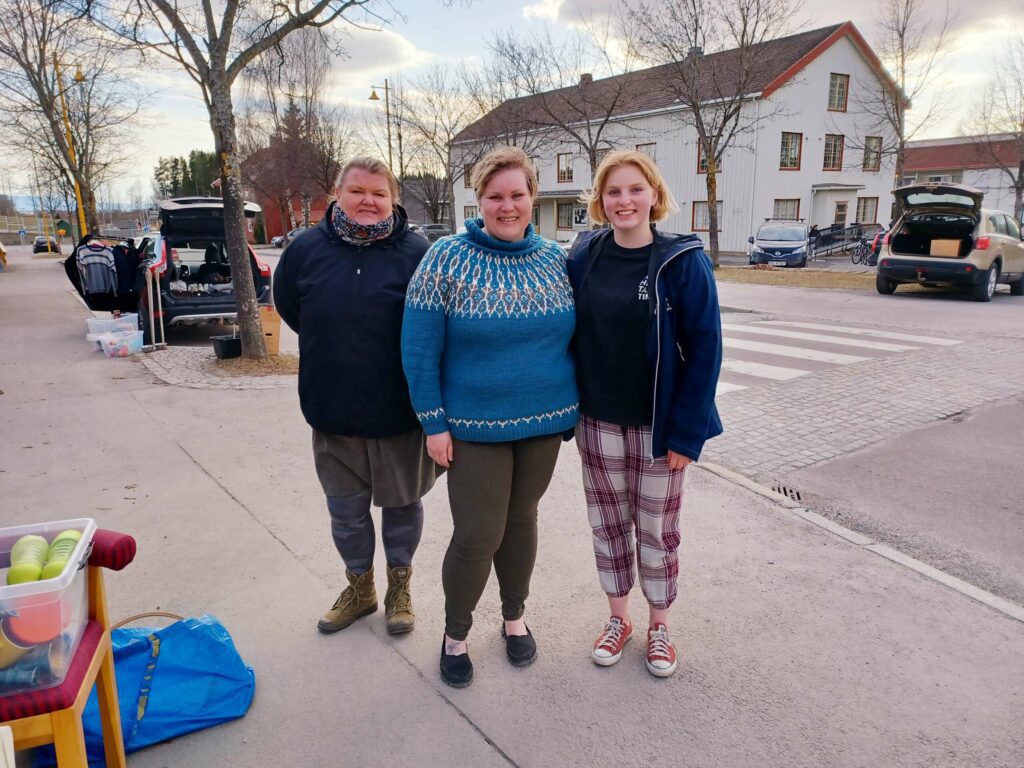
612	320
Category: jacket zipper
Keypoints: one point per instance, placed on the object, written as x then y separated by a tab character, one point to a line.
657	320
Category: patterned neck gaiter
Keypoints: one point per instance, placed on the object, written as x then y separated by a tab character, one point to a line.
354	233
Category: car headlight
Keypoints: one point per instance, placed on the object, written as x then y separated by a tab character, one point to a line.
757	249
801	249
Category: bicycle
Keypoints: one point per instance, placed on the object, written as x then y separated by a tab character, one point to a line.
861	253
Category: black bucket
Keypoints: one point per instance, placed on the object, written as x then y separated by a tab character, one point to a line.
228	346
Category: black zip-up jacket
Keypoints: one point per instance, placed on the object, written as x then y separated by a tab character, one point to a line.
346	302
684	339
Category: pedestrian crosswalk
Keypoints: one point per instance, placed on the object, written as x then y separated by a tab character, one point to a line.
771	351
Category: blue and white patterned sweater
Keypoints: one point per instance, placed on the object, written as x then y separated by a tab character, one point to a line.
485	341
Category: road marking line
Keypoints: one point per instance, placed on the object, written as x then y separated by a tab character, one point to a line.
865	332
725	387
761	370
803	354
865	344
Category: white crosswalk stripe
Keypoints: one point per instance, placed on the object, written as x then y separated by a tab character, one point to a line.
797	352
772	358
838	341
761	370
724	386
865	332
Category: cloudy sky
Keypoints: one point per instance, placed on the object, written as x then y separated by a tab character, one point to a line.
431	31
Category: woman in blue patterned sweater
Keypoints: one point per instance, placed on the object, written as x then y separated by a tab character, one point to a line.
485	345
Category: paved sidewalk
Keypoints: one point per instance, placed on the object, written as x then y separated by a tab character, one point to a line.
799	648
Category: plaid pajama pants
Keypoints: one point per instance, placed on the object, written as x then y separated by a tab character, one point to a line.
631	501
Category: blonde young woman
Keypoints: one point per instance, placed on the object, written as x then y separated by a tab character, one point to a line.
648	354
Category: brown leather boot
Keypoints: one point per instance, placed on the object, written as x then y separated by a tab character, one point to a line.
359	599
398	613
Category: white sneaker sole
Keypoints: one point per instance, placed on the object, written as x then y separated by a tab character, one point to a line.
662	671
607	661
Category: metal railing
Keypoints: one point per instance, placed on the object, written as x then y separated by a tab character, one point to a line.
841	238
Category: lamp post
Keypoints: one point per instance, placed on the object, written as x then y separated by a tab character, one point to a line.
387	112
79	78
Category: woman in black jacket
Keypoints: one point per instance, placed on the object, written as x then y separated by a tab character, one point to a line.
341	287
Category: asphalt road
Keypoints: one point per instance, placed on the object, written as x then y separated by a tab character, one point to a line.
950	493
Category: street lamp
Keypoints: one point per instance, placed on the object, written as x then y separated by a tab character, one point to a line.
79	78
387	111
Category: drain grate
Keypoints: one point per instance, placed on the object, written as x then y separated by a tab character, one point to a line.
785	490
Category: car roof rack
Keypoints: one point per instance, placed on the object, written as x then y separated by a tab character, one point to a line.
775	218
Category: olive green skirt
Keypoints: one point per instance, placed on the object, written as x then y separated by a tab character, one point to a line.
396	470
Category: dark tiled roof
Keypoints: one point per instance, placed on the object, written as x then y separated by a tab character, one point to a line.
960	154
649	89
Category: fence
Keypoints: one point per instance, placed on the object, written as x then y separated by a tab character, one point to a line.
840	238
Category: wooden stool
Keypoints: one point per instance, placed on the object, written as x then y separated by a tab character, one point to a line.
54	715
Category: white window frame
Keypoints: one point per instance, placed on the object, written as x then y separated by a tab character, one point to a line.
564	171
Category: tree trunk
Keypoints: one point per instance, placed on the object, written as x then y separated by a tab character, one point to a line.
712	183
226	145
92	219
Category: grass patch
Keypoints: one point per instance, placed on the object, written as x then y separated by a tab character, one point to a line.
274	365
797	278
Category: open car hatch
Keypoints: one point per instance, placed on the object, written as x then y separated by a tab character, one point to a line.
938	195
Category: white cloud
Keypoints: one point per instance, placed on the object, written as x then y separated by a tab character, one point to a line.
543	9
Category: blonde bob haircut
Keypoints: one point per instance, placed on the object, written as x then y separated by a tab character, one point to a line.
663	205
370	165
503	159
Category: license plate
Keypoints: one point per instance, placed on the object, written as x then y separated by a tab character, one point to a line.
777	263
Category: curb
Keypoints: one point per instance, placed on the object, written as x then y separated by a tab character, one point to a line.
996	603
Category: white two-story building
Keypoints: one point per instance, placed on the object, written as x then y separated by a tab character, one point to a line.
811	152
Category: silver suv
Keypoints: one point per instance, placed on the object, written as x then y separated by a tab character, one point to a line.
943	237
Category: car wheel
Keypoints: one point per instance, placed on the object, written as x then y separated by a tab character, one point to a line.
884	285
984	290
1017	287
803	262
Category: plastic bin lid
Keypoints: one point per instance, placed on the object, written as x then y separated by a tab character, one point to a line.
8	536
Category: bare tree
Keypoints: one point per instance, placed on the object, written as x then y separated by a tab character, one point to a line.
914	45
558	78
35	36
998	124
437	109
214	41
715	90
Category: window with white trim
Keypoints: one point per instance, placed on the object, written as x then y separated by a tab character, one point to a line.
651	150
872	153
838	91
565	215
701	219
787	208
867	210
833	152
789	154
564	167
471	212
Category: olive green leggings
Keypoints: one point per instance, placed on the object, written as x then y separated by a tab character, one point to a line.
493	491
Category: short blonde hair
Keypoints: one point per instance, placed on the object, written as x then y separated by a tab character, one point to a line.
503	159
370	165
663	205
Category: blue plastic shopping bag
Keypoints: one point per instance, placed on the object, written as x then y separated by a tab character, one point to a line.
170	681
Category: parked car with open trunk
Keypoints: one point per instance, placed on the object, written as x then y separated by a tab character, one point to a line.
943	237
189	256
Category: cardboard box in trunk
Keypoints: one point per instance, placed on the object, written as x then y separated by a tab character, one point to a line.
945	248
270	320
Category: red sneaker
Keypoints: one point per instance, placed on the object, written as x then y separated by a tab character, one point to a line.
608	648
661	654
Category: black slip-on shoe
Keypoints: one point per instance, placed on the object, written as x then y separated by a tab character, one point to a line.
520	649
456	671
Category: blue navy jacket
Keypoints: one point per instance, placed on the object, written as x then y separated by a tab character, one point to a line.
346	302
684	340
